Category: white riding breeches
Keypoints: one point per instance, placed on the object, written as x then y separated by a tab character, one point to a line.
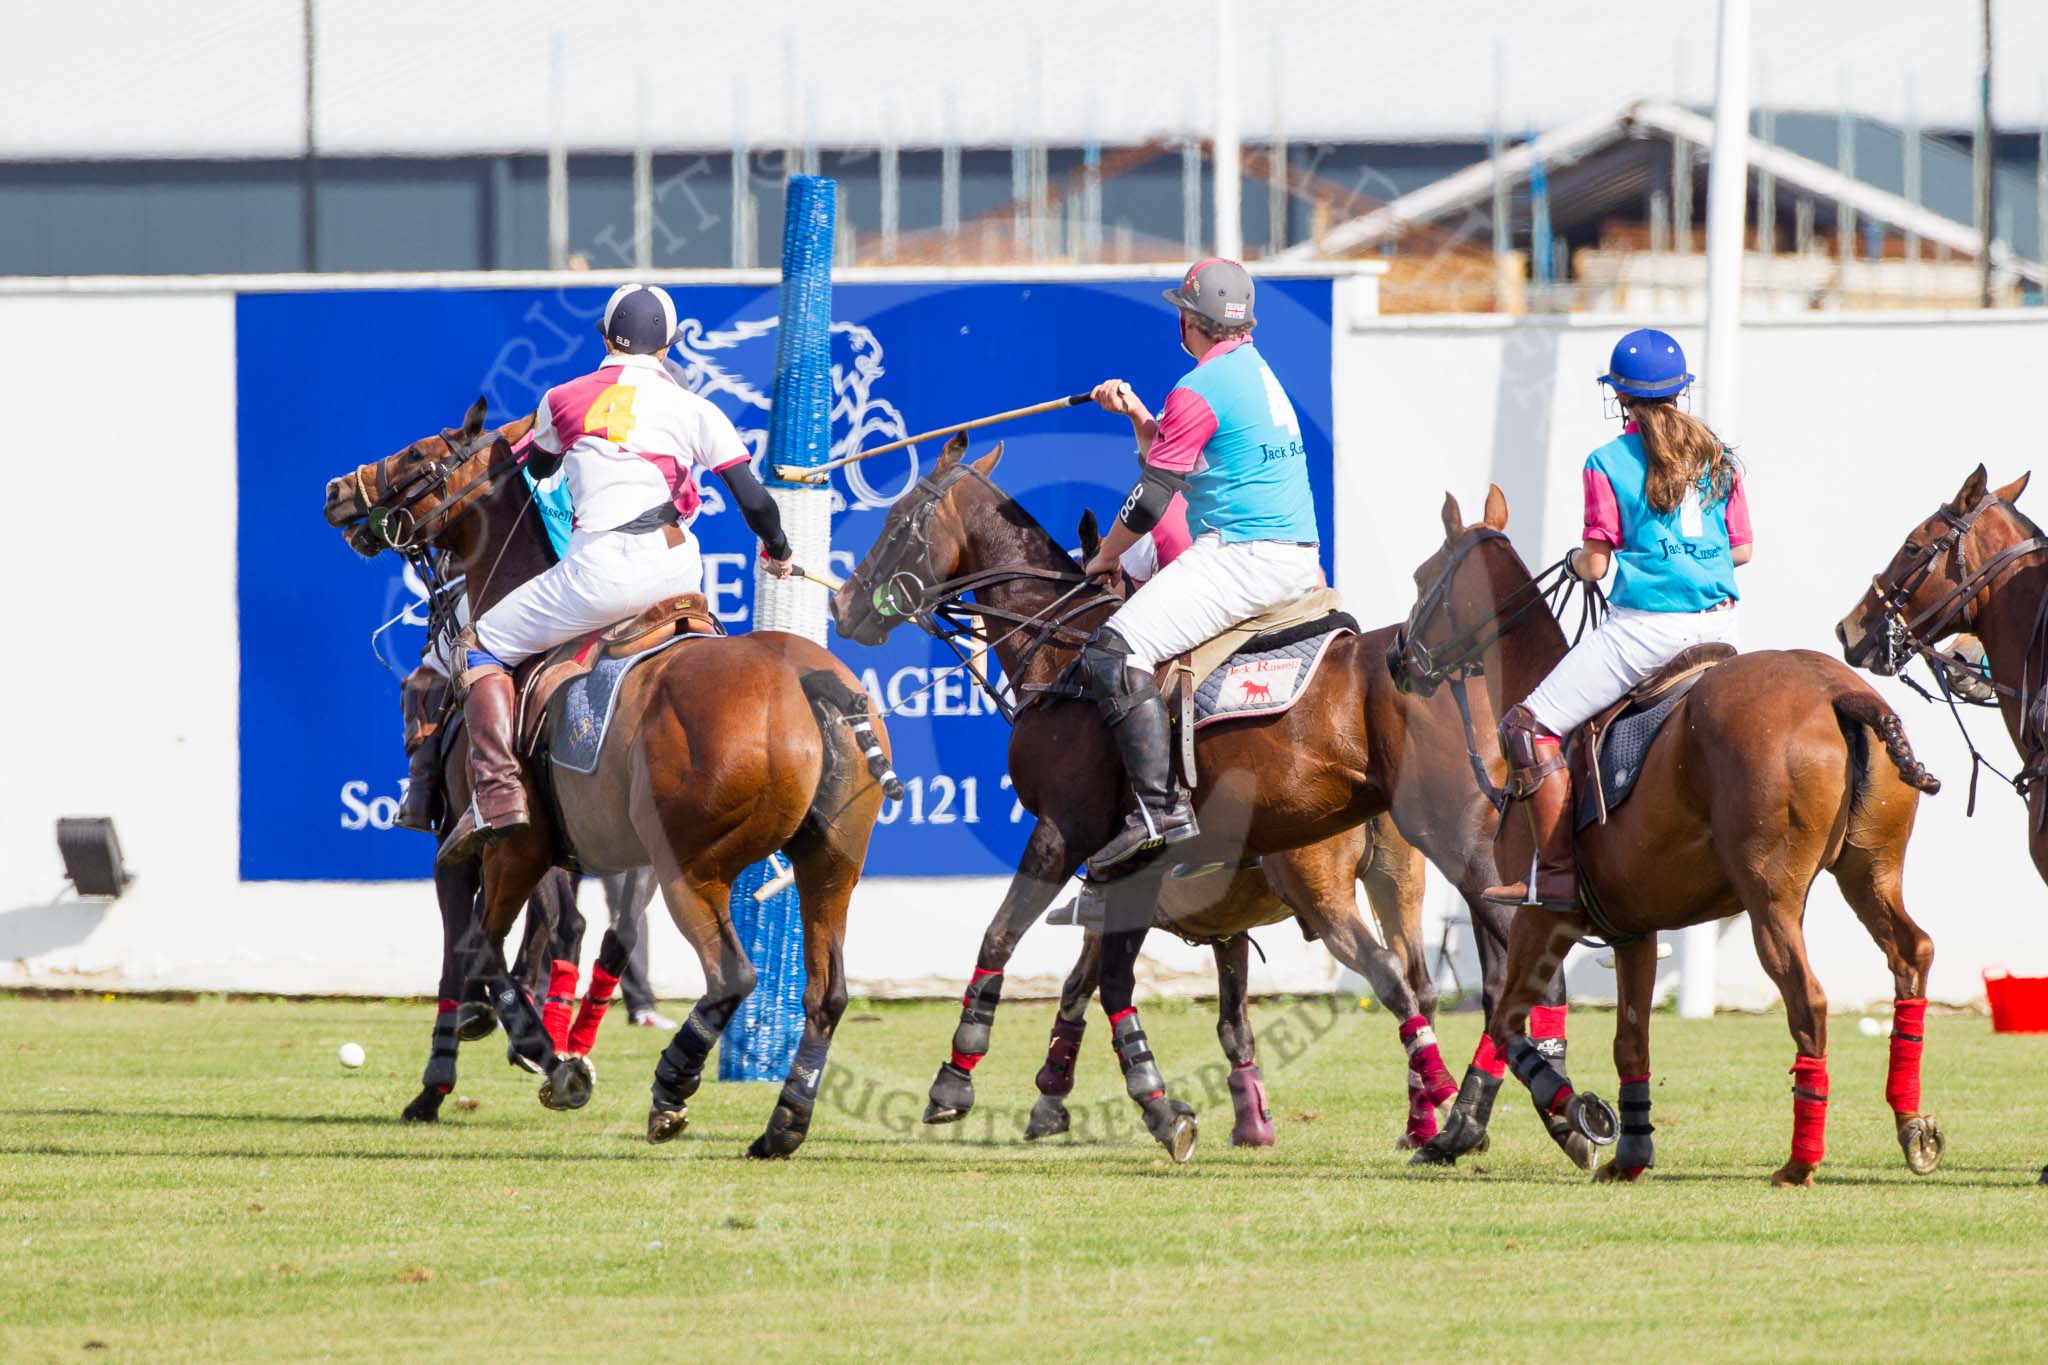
607	577
1629	647
1208	588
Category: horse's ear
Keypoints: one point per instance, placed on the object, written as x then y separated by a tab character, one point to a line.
1972	491
2011	492
1454	519
1091	535
950	456
1496	517
987	463
473	421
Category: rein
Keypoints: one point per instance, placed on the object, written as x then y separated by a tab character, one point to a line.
1461	657
1950	614
939	608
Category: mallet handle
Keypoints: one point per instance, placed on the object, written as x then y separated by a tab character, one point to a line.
818	473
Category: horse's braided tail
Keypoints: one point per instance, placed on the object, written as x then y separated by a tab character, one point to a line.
1867	708
833	701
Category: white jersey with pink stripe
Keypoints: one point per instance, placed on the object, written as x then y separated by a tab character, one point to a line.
632	438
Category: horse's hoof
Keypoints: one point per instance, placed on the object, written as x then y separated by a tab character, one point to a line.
1923	1142
664	1124
1172	1122
1594	1118
538	1064
1614	1173
952	1095
570	1084
1253	1131
474	1020
1793	1175
1049	1118
2044	1175
1461	1136
1254	1124
425	1107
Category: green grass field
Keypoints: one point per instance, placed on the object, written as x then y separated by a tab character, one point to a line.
203	1180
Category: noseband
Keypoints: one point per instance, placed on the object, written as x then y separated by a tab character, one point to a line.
389	513
1954	611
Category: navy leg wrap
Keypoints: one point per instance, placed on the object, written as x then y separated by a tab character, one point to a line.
1534	1070
1636	1149
516	1011
440	1072
681	1068
806	1069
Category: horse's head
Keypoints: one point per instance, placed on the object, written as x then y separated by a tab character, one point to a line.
924	542
1924	594
1458	591
417	496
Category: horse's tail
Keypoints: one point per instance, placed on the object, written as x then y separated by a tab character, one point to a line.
835	703
1860	709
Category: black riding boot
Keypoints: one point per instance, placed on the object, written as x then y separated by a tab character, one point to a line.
1136	714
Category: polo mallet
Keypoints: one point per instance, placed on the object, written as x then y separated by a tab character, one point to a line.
821	473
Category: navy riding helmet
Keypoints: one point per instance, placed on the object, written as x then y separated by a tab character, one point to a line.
1647	363
640	319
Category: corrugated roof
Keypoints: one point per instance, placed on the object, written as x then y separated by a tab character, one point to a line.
224	78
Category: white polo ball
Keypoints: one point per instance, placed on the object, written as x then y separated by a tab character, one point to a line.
1871	1028
351	1055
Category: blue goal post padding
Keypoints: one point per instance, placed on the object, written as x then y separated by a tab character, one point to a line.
762	1036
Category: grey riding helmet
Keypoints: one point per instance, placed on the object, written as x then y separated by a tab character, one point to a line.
640	319
1218	291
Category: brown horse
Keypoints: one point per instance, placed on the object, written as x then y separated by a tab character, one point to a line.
1349	749
724	751
1220	908
1762	778
1977	565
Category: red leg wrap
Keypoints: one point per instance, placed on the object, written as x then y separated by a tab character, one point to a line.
447	1006
967	1061
1421	1114
1902	1083
1547	1021
583	1033
1809	1109
554	1015
1425	1061
1488	1059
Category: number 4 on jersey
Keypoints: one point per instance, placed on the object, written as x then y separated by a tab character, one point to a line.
612	414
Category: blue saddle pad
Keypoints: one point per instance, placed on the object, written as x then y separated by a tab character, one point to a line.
1622	751
580	712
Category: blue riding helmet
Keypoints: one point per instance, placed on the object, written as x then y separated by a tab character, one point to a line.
1647	363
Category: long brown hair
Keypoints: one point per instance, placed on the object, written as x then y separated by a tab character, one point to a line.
1683	450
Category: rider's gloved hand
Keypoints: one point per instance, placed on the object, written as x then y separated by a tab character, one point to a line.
1113	395
777	568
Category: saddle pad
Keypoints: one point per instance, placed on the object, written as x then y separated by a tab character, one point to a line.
580	712
1266	683
1622	750
1208	656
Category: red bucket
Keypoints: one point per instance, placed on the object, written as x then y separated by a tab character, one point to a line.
2019	1004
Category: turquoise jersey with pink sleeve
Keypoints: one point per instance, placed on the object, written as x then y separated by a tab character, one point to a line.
1681	560
1229	428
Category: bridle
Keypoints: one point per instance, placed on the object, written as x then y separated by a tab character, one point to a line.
388	511
914	592
1954	612
1461	657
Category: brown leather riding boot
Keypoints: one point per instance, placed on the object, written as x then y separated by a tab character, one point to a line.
498	806
1557	879
421	806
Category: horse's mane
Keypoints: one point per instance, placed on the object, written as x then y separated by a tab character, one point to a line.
1016	515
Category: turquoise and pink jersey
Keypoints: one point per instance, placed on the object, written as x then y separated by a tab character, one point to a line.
1679	560
1229	428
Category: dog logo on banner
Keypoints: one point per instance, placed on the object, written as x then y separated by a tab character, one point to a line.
711	363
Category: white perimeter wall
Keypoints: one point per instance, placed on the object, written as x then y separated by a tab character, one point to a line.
1852	429
121	693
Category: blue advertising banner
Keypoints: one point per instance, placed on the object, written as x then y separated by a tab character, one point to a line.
329	381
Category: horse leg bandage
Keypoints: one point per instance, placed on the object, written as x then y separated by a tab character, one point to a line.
1421	1113
1909	1034
1546	1031
561	1001
1056	1077
977	1015
583	1033
1142	1080
440	1072
806	1069
681	1068
1486	1058
1809	1109
529	1037
1547	1085
1425	1063
1635	1151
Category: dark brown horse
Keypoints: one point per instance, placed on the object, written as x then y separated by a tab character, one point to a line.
1350	748
1761	779
724	751
1220	908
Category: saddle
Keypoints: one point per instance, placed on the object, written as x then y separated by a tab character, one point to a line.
543	676
1606	753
